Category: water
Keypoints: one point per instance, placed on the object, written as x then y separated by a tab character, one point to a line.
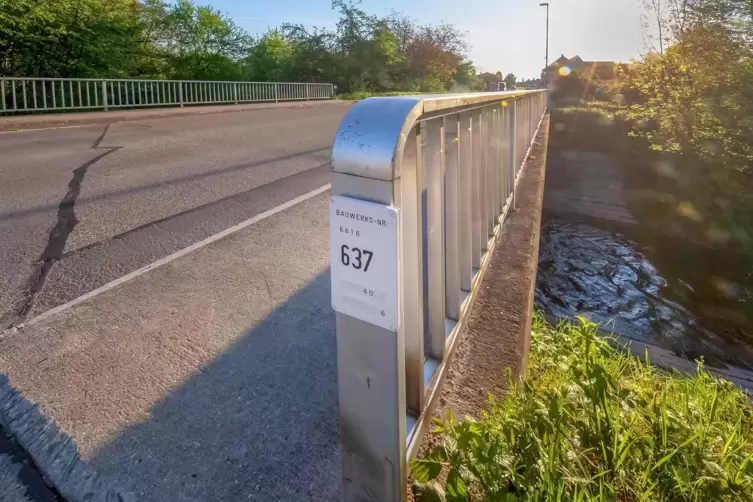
665	293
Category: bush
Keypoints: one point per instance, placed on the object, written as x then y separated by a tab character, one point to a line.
359	95
590	422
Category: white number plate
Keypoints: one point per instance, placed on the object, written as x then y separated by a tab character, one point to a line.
363	257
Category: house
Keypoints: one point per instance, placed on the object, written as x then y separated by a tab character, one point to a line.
604	70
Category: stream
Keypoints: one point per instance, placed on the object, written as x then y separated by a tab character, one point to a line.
663	293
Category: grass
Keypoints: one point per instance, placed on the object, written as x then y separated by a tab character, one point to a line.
592	423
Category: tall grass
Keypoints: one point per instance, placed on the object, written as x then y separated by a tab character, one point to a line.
592	423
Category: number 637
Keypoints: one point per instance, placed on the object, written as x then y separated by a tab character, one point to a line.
355	257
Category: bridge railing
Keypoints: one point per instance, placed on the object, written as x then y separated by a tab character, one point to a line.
421	187
26	95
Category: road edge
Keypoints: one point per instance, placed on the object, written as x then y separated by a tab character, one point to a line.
53	452
28	123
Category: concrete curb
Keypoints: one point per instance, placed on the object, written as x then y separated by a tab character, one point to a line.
52	450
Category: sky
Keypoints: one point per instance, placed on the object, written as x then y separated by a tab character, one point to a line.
505	35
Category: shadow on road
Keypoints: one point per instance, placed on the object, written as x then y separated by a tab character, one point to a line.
258	423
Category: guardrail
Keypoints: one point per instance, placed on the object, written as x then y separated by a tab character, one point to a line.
421	187
26	95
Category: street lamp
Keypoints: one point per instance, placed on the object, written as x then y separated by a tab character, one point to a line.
546	58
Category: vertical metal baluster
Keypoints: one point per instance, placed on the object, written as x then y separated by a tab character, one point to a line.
504	146
23	93
511	133
54	96
133	95
492	163
502	149
411	269
13	92
484	178
498	194
432	156
2	91
62	94
70	94
465	201
452	216
491	217
34	93
476	139
44	94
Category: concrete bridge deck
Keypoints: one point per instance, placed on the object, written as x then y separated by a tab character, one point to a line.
211	376
166	302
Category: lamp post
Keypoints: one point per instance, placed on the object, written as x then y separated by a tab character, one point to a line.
546	58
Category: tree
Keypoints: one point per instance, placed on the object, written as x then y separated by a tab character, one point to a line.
185	40
510	80
271	58
205	44
67	38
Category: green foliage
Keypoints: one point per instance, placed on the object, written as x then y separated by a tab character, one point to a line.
65	38
590	422
359	95
185	40
510	80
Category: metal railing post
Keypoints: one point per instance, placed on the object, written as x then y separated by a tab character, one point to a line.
307	92
104	94
380	367
235	92
276	92
180	93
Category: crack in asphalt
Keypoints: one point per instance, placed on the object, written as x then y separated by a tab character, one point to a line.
66	222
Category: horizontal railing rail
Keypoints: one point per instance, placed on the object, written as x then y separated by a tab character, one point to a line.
421	187
28	95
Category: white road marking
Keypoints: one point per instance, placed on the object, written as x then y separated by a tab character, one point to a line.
167	259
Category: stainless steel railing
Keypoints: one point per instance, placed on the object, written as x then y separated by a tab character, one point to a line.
448	166
26	95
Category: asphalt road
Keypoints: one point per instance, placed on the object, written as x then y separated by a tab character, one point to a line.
80	207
